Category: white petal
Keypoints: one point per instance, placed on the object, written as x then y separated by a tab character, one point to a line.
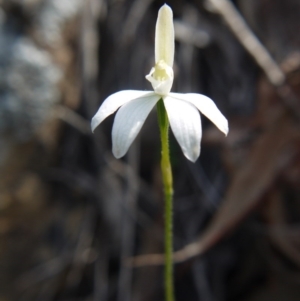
164	36
114	101
128	122
186	125
207	107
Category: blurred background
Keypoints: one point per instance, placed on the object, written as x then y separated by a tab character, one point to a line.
73	218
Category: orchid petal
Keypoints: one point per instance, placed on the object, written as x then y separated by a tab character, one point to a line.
114	101
129	121
207	107
164	36
186	125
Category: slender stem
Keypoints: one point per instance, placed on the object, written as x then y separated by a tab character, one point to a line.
168	193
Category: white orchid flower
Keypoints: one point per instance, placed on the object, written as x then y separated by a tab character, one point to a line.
182	109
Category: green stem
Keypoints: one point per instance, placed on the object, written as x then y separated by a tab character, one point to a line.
168	193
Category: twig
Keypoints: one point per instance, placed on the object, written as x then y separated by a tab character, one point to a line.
135	16
188	252
185	33
128	226
246	37
101	272
71	117
261	55
84	242
44	271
